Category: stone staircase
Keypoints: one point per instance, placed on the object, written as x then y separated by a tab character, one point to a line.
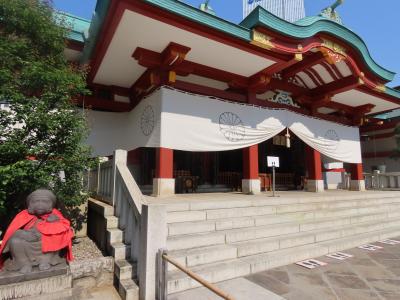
220	240
125	269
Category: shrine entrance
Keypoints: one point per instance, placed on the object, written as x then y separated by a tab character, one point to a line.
292	170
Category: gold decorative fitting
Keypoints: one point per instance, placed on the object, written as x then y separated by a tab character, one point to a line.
331	56
298	56
362	74
334	47
380	88
300	47
360	81
261	40
171	76
152	78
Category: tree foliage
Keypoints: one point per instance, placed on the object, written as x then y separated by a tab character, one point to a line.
42	123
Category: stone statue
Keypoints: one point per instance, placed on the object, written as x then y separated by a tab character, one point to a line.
36	235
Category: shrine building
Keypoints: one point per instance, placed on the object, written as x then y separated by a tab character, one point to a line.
201	102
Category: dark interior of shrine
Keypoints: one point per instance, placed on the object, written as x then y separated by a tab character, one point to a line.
225	168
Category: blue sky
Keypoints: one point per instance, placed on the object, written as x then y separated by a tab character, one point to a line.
376	22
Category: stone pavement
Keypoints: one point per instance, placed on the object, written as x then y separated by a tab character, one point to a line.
367	275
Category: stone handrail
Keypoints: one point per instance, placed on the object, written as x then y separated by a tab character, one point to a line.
143	224
387	180
135	194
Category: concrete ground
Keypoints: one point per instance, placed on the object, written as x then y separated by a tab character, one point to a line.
366	276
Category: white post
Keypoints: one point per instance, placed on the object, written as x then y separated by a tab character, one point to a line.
120	156
153	236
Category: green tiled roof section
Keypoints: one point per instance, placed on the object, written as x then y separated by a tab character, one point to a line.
96	25
194	14
393	92
261	17
78	26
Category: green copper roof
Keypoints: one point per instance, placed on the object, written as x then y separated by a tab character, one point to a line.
307	21
309	27
305	28
78	26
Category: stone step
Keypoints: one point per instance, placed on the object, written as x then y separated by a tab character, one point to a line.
203	255
253	246
120	251
128	289
234	223
233	203
219	271
125	269
195	240
178	281
252	211
115	235
111	222
102	208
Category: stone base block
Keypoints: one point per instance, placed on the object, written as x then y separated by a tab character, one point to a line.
315	186
37	287
357	185
163	187
251	186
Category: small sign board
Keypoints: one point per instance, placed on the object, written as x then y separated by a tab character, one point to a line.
273	161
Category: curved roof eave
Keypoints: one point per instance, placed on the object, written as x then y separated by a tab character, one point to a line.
262	17
259	16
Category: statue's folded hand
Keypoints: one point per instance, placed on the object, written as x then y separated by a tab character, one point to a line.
31	235
52	218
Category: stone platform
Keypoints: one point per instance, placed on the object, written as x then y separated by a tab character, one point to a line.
225	236
7	277
62	281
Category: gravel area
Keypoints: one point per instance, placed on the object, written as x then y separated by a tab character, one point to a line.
85	248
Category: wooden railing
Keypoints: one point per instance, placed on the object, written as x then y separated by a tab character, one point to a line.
163	259
231	179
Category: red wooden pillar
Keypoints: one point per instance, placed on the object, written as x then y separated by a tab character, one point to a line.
357	172
164	182
357	182
164	163
251	180
314	167
250	162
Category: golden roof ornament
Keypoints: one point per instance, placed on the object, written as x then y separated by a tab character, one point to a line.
331	13
207	8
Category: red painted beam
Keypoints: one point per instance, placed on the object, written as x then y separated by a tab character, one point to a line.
380	154
308	61
103	104
385	125
336	87
378	136
152	59
75	45
208	91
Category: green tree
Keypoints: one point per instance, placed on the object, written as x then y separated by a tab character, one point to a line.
42	123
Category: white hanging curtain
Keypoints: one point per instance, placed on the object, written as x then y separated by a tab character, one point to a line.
189	122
